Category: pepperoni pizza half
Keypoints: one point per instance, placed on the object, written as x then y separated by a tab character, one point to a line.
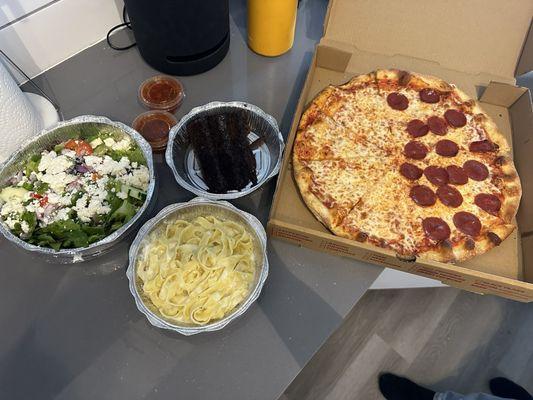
407	162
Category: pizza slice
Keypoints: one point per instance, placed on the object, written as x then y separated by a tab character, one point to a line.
331	188
324	139
341	125
382	218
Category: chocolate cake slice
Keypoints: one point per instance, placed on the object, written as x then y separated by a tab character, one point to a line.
238	132
205	151
222	148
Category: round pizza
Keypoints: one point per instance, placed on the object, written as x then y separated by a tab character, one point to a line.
409	163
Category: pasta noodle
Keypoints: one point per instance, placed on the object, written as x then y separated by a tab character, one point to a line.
198	271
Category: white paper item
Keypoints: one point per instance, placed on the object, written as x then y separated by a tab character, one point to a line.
19	120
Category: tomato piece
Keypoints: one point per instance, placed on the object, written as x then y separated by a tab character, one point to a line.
84	148
43	201
81	147
36	196
71	144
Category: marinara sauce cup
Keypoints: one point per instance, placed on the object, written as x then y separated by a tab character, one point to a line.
161	92
155	126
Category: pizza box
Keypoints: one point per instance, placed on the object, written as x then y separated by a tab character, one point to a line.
480	46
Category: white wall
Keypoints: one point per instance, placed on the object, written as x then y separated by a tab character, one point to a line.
56	32
11	10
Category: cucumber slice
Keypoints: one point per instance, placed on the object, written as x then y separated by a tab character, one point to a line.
100	150
134	192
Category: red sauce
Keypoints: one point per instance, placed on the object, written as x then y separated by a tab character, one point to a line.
154	126
161	93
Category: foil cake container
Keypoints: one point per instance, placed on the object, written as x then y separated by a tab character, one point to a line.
264	128
45	141
197	207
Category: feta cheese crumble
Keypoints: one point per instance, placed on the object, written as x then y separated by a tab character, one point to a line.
54	164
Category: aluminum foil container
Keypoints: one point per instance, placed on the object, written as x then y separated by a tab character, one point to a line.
85	125
196	207
181	159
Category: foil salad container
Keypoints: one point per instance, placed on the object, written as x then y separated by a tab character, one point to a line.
181	160
46	140
196	207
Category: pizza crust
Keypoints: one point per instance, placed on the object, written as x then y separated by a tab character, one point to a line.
303	179
314	107
462	251
512	188
359	81
513	195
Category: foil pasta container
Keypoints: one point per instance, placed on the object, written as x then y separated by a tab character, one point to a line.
264	131
197	207
84	125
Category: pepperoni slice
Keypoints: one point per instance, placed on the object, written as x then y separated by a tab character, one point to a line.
470	244
446	148
436	228
476	170
437	125
449	196
415	150
494	238
456	175
482	146
410	171
417	128
455	118
429	96
467	223
436	175
488	202
397	101
422	195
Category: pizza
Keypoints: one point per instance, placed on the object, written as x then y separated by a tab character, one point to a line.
406	162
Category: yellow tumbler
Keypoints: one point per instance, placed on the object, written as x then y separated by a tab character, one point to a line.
271	25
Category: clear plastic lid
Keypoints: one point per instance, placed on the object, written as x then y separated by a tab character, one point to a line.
161	92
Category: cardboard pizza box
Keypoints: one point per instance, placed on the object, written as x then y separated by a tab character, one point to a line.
480	46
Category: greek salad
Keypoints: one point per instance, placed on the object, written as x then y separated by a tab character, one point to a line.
77	193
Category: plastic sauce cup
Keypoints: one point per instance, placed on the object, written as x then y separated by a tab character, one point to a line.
161	92
154	126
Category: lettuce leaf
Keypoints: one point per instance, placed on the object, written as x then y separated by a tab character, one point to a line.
32	165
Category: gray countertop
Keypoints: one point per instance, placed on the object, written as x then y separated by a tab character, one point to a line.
73	332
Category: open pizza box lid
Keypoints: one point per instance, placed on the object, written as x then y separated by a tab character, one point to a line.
474	36
479	45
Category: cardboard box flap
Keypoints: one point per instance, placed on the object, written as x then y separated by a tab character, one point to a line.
346	58
522	121
471	36
525	64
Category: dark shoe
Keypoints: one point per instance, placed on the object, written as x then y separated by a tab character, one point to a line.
394	387
507	389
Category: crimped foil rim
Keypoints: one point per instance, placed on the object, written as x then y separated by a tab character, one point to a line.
77	254
158	321
218	104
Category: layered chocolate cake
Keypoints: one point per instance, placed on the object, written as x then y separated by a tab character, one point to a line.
222	148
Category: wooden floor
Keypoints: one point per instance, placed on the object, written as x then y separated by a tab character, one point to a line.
443	338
